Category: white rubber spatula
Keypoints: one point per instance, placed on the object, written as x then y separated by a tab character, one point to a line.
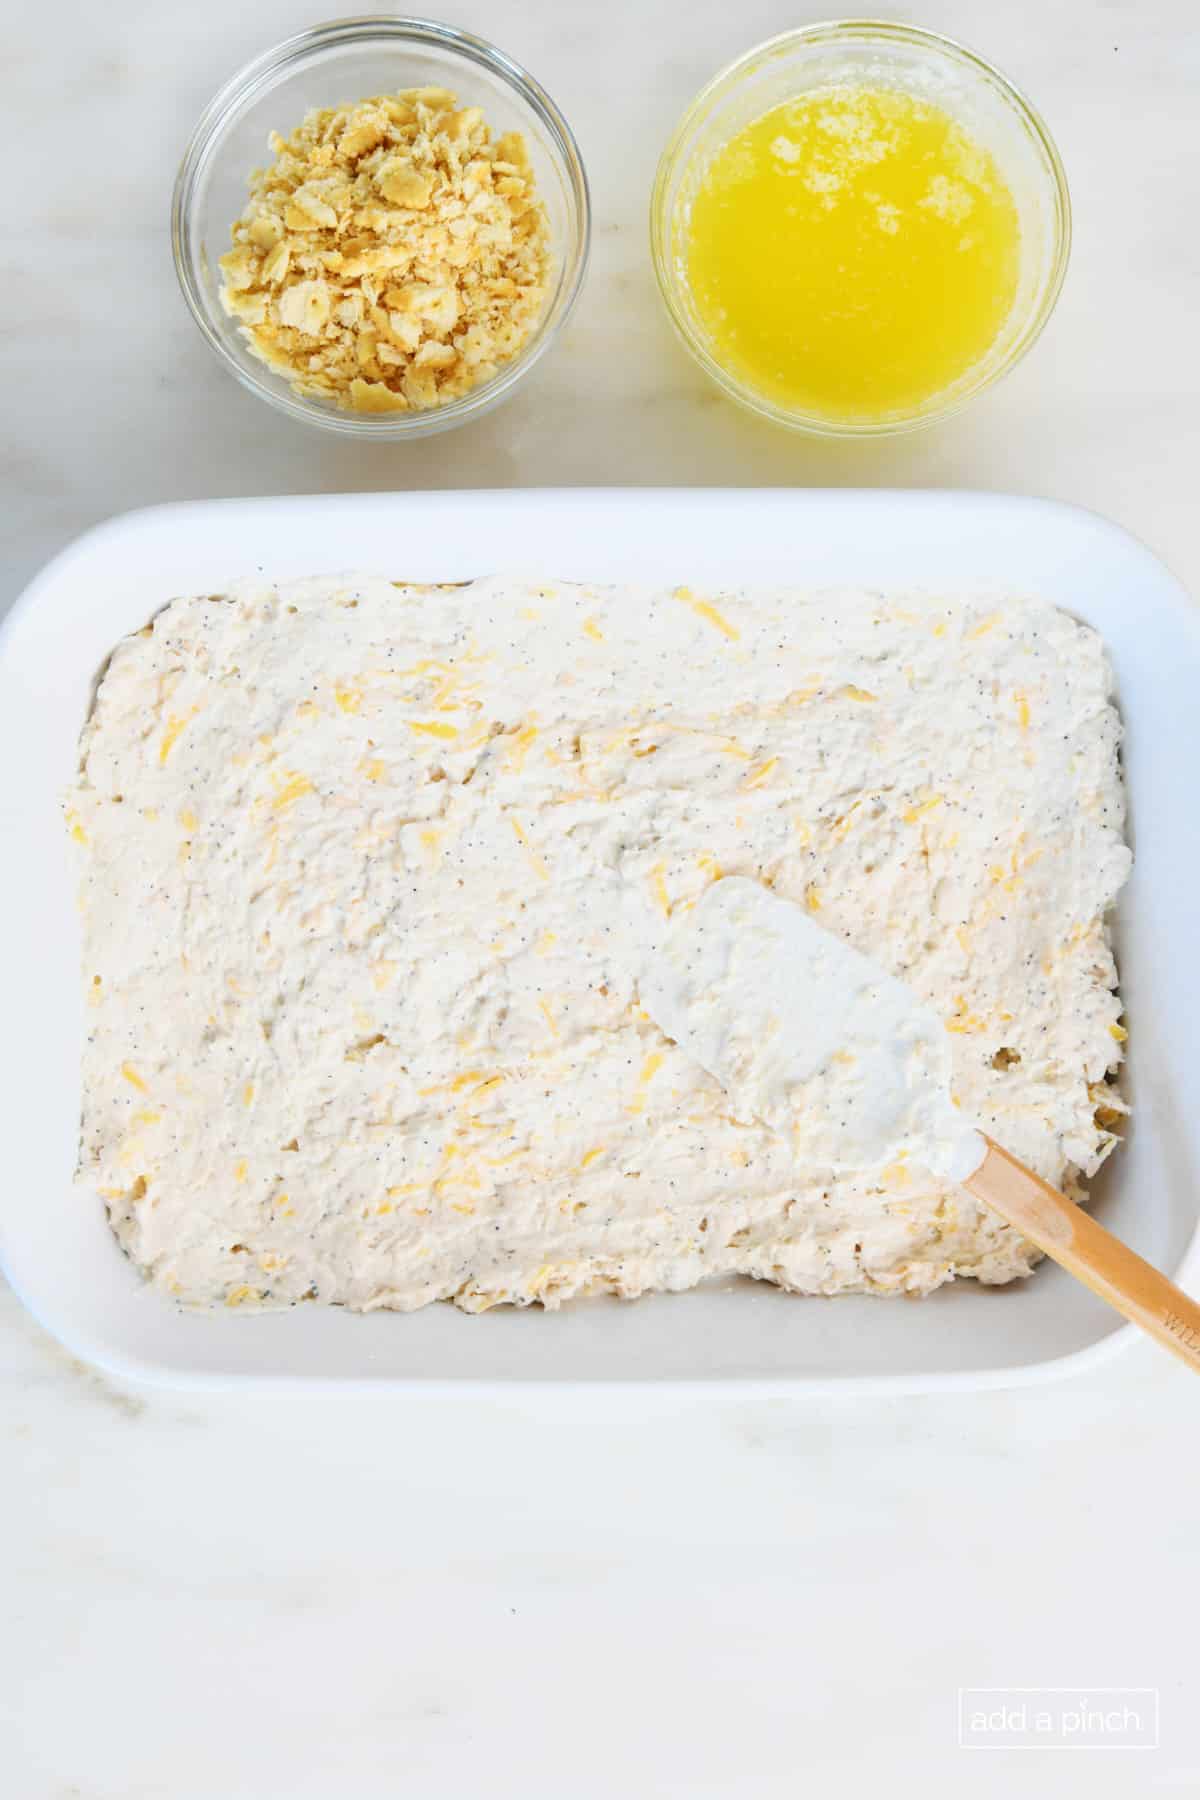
822	1045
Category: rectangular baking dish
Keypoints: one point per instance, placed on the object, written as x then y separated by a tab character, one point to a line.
56	1245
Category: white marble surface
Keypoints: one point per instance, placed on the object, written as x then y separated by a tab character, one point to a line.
259	1594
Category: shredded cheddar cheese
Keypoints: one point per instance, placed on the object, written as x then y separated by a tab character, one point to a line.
704	609
366	1017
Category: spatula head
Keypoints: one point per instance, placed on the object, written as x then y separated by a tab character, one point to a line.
805	1033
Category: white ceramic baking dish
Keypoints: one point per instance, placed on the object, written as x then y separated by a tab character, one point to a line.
57	1248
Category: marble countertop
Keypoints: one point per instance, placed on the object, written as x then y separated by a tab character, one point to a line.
315	1593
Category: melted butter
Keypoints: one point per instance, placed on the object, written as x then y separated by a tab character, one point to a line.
853	253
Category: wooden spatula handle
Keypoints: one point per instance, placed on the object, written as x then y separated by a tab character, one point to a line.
1074	1239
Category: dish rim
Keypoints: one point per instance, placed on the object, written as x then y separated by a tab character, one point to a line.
118	1360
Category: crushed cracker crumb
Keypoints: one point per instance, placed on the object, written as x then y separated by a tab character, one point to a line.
393	256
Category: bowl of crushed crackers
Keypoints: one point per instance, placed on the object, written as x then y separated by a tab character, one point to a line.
381	226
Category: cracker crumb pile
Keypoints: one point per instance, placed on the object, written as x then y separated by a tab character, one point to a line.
393	256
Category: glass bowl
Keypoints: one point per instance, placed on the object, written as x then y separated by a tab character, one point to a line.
330	65
929	67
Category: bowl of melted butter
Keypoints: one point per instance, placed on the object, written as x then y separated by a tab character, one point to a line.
859	226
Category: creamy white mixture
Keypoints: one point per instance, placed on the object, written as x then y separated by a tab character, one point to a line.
364	1026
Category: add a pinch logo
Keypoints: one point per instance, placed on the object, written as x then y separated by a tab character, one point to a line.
1058	1718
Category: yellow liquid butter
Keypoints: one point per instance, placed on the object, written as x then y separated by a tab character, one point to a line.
852	253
